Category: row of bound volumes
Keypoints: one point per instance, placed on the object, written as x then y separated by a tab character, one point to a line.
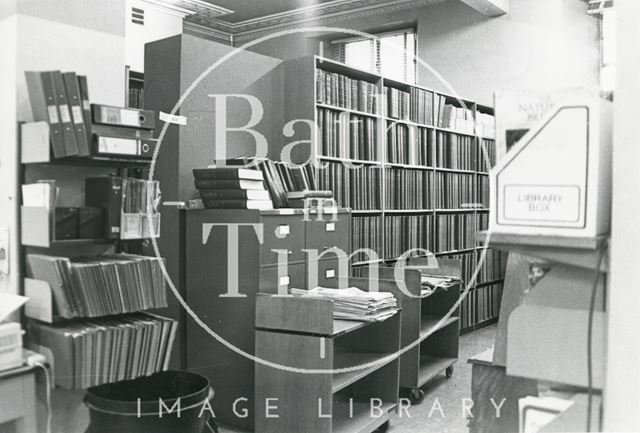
398	143
487	158
136	96
454	190
482	192
457	118
408	189
398	103
494	266
342	91
361	142
455	151
101	285
405	232
488	299
93	352
482	221
455	231
485	125
357	188
366	233
421	106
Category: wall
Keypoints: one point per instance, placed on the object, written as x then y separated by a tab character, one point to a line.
541	44
159	23
86	36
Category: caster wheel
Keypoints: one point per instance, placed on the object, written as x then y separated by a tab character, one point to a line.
449	371
383	428
416	396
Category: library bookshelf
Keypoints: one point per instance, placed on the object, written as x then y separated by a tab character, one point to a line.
413	177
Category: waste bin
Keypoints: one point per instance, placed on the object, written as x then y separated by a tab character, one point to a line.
166	402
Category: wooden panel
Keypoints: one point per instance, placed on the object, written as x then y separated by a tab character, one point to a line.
551	344
299	396
313	316
326	233
11	399
491	382
330	274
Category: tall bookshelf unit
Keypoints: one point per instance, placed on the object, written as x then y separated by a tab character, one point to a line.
394	167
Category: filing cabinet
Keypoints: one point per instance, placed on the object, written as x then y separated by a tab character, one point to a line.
222	293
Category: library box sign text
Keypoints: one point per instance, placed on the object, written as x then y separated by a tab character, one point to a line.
543	203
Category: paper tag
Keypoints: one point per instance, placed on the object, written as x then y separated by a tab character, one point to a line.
330	273
284	281
65	116
129	117
53	114
283	230
86	105
286	211
173	118
76	112
330	227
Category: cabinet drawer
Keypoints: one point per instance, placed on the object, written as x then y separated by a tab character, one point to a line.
328	273
269	280
282	233
326	233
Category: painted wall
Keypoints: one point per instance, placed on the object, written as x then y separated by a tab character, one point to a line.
158	24
541	44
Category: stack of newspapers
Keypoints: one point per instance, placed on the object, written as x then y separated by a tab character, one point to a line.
355	304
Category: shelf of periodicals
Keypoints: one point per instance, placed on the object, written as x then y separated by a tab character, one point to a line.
411	163
89	298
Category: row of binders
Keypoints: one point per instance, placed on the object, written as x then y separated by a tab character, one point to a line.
101	285
366	232
361	141
345	92
355	304
455	231
358	189
455	151
78	128
408	189
405	232
454	191
92	352
488	157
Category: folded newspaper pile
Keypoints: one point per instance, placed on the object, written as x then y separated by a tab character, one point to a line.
355	304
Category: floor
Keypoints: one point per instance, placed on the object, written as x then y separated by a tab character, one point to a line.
441	410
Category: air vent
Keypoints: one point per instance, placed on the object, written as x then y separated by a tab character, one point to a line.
137	16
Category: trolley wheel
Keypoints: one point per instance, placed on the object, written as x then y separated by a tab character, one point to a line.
383	428
449	371
416	395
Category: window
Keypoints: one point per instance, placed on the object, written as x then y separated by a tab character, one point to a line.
393	55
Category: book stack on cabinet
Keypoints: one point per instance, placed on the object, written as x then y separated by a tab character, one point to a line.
424	184
90	288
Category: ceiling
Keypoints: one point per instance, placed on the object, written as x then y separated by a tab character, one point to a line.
249	9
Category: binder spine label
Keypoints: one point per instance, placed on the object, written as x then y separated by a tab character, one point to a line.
65	117
120	116
76	111
53	114
120	146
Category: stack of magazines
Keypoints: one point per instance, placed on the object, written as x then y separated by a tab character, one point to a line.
355	304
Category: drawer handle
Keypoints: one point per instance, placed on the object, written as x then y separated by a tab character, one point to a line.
282	231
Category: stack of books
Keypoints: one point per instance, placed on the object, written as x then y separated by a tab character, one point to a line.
232	188
355	304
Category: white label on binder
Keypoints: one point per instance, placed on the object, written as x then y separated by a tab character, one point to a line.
129	117
284	281
65	117
330	227
53	114
119	146
330	273
76	111
173	118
